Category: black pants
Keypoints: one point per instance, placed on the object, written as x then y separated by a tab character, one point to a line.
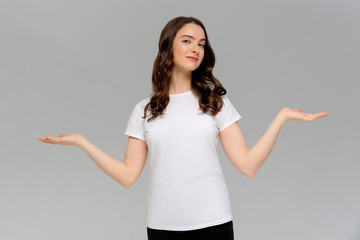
223	231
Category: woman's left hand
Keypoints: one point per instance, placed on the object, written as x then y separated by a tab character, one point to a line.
298	115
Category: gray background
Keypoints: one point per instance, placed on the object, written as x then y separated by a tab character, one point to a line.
81	66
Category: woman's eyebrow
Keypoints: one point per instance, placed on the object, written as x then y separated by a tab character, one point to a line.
192	37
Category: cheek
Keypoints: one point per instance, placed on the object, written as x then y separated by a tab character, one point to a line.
178	51
202	55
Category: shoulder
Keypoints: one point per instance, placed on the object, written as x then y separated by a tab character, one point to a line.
226	101
225	98
140	105
228	106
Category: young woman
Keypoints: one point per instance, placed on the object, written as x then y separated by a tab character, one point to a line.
179	125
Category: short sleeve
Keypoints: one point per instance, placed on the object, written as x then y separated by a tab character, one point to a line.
228	114
135	126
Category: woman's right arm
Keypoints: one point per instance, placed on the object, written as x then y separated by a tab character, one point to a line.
125	173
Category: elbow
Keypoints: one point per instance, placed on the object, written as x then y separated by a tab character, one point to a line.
127	184
247	173
250	175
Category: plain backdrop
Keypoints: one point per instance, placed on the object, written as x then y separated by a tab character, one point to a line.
81	66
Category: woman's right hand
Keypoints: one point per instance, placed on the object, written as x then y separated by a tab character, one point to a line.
63	139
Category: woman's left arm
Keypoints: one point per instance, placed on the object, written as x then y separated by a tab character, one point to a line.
248	161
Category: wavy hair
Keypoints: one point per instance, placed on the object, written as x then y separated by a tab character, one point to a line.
204	84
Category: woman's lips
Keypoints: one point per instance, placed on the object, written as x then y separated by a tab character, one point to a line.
193	59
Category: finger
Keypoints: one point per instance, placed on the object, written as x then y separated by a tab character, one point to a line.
322	114
311	117
46	141
52	140
63	135
297	110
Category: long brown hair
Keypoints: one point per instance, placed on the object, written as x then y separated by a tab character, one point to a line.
204	84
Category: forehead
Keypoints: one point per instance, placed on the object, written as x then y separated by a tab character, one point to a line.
191	29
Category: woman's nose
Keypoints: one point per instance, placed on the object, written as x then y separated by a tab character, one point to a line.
195	49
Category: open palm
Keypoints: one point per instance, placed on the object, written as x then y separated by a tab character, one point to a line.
63	139
298	115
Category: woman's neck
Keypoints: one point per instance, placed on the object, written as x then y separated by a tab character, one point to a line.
180	82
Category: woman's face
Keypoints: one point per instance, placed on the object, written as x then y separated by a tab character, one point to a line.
189	47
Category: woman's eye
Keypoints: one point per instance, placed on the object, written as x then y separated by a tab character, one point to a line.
188	41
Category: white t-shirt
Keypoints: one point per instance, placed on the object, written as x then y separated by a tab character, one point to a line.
187	189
